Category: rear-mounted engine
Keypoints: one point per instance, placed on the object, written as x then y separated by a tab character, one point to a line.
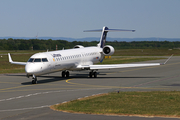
108	50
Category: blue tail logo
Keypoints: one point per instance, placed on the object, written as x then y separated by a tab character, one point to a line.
103	37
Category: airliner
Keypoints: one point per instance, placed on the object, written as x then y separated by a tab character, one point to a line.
75	59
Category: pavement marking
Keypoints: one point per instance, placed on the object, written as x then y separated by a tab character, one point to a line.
167	78
10	82
42	89
20	109
5	89
39	107
48	92
14	87
44	106
110	86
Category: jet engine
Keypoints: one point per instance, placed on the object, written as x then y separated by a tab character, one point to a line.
78	46
108	50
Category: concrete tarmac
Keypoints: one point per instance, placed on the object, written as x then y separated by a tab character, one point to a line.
19	99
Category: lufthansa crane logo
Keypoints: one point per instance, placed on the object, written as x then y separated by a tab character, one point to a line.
56	55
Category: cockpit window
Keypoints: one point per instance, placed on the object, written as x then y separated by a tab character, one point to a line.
44	60
30	60
37	60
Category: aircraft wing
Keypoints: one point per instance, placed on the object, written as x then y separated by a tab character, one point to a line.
112	66
12	62
94	67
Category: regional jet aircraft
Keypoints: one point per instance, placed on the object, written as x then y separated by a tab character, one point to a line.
76	59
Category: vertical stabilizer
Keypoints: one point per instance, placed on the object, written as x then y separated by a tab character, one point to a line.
103	37
104	31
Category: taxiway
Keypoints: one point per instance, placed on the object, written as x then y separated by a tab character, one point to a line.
19	99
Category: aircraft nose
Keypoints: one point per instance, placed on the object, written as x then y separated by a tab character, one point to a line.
28	69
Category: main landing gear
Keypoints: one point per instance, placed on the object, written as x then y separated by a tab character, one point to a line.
65	74
34	81
92	73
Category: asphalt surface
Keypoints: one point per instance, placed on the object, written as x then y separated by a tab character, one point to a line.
19	99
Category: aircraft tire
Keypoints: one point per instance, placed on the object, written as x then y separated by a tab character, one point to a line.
67	74
63	74
34	81
90	74
95	74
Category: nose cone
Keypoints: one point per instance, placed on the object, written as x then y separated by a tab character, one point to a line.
29	69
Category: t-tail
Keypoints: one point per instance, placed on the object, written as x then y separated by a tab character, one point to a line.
104	31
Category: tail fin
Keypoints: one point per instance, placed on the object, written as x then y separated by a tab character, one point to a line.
105	30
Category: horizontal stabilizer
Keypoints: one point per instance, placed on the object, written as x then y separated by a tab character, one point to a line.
104	31
109	30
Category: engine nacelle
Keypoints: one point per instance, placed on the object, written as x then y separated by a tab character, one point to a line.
108	50
78	46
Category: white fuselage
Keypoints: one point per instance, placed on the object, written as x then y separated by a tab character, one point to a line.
47	62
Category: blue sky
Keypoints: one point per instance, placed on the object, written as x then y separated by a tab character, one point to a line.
68	18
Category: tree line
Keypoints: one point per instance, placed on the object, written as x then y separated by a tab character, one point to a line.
36	44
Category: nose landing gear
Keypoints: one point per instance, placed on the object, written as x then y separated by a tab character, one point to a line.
35	80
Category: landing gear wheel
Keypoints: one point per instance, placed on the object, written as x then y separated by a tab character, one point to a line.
63	74
34	81
67	74
95	74
90	74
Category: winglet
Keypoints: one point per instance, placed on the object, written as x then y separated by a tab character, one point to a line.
12	62
10	59
167	60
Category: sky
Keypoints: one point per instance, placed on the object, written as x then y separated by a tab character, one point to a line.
68	18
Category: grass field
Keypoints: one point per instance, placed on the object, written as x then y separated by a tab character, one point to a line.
153	103
6	67
121	60
146	52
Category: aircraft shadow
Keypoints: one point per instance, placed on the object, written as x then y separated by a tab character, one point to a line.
15	75
52	79
49	79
